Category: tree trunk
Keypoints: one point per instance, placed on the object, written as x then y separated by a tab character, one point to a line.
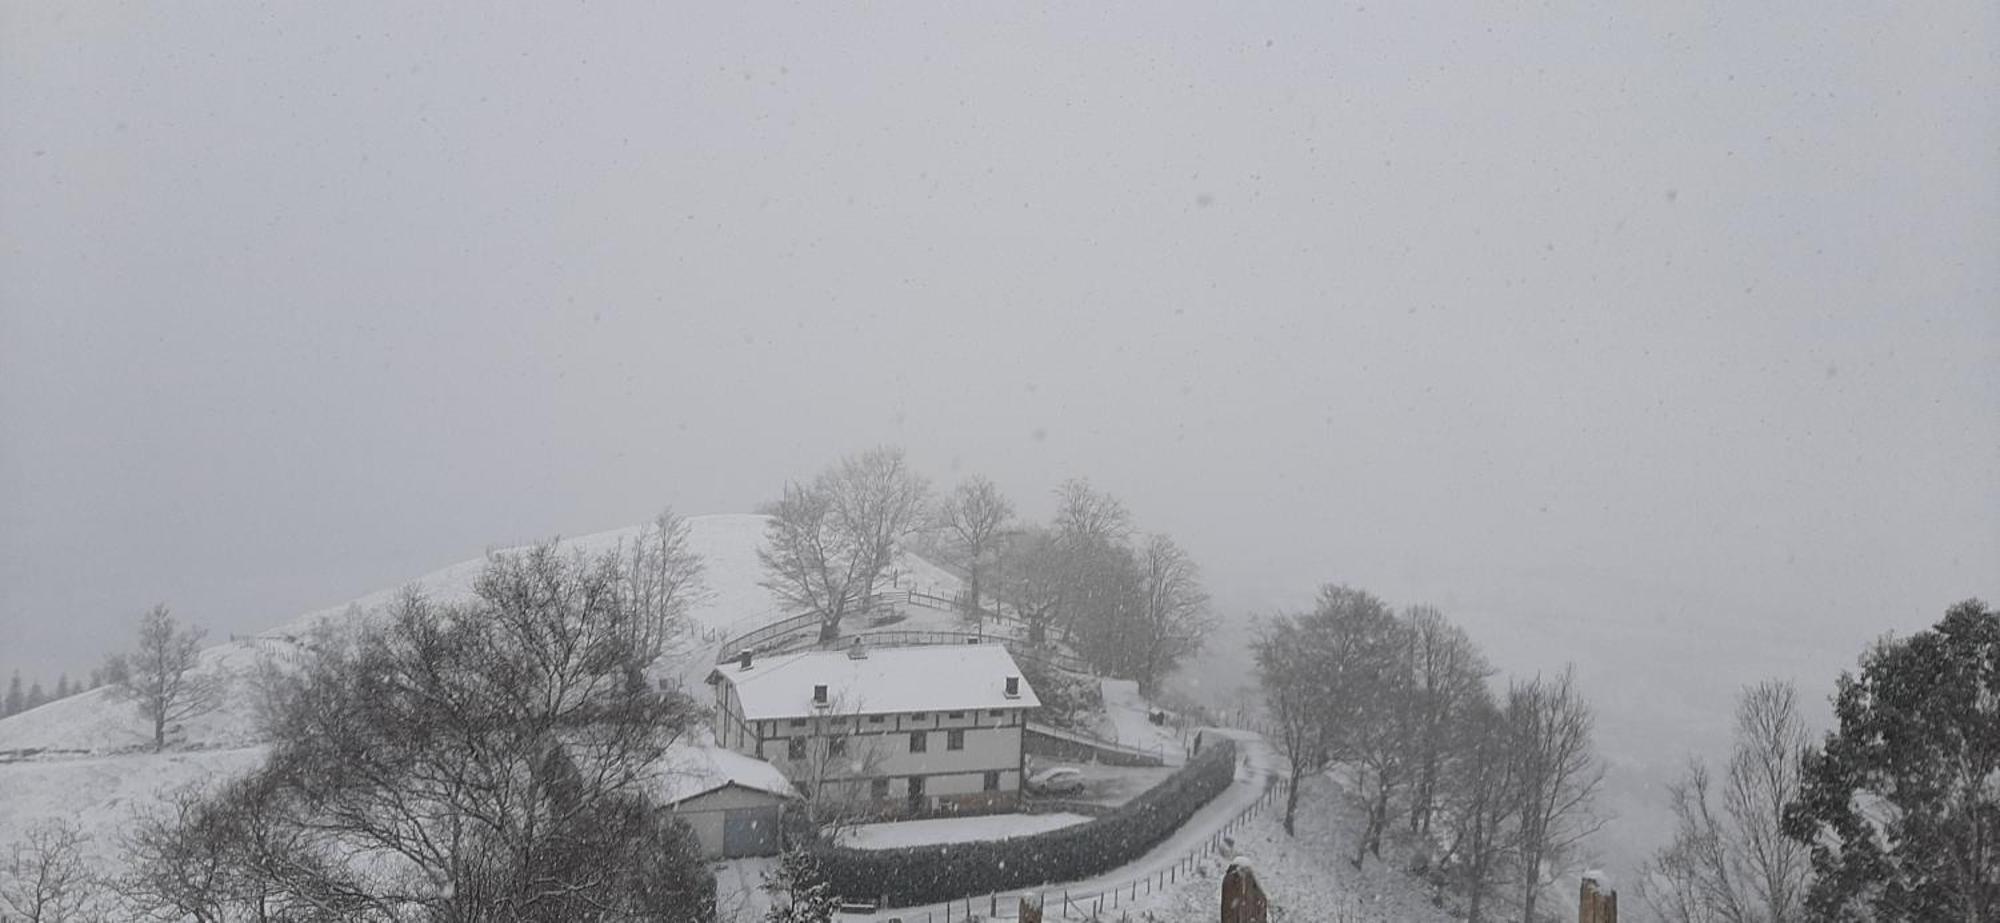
1378	820
1420	800
1292	800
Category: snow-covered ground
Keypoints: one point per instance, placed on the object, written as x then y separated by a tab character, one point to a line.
1127	721
739	889
1106	785
953	829
100	794
1308	878
88	757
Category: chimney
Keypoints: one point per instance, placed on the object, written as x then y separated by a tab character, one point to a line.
856	652
1596	903
743	660
1013	687
819	694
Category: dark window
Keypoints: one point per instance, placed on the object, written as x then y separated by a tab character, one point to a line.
918	715
992	781
916	793
954	740
836	747
798	722
874	719
997	713
878	789
919	741
796	748
956	715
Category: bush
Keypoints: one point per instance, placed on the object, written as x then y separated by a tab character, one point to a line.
932	874
1067	699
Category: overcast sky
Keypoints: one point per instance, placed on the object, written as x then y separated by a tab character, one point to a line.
1568	319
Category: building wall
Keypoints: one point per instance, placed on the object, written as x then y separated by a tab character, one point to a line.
954	780
706	812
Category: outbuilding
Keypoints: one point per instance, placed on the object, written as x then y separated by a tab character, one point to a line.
732	801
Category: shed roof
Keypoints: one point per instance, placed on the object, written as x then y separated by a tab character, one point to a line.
692	769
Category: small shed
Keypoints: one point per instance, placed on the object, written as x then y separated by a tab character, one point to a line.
732	801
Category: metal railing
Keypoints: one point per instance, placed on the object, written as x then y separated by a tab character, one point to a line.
803	630
1152	755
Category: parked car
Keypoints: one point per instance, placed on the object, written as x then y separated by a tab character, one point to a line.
1057	780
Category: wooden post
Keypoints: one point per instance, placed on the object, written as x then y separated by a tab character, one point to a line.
1243	898
1595	906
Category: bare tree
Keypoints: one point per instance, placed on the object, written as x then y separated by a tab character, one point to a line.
1296	692
1033	581
829	542
45	878
1172	612
163	675
975	519
1321	671
1737	866
1449	676
1082	510
664	579
484	760
1559	776
1480	813
1093	531
1379	745
835	769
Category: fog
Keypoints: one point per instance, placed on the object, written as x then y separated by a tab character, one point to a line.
1667	341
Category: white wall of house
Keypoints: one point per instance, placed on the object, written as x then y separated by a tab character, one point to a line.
959	751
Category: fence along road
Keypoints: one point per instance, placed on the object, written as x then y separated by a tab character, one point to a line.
1258	787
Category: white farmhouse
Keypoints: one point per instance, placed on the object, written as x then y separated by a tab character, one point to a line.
896	731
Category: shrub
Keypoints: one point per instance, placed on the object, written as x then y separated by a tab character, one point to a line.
932	874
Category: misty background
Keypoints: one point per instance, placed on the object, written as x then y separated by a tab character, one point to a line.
1665	341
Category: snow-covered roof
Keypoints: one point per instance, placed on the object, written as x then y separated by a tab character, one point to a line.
695	768
943	677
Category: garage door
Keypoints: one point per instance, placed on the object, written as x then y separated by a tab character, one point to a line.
750	832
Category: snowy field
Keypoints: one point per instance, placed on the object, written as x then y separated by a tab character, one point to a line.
1308	878
953	829
100	795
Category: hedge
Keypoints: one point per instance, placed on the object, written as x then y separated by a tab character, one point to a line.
934	874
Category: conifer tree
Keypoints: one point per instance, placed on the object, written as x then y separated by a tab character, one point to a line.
16	698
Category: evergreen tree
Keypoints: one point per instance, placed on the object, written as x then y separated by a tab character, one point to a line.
799	892
63	691
1899	806
16	698
36	697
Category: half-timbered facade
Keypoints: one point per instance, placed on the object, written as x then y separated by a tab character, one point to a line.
900	731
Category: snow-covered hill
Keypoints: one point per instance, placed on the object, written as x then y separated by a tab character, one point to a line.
99	722
87	758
